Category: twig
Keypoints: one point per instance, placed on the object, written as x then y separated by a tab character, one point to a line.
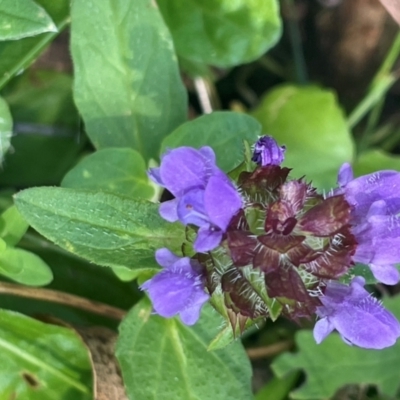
55	296
269	351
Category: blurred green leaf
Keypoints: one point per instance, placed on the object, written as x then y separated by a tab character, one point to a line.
115	170
309	121
375	160
17	55
177	360
278	388
333	364
24	267
5	128
46	139
23	18
12	226
136	97
222	130
42	362
223	33
107	229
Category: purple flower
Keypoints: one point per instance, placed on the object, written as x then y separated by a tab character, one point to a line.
178	288
358	317
375	202
267	152
204	195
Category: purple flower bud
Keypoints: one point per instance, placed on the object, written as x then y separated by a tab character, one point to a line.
205	197
178	288
375	202
359	318
267	152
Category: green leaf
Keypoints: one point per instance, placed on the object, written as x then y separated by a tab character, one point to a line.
42	362
116	170
104	228
311	124
18	55
223	33
375	160
12	226
333	364
177	363
224	131
5	128
23	18
278	388
24	267
136	97
46	139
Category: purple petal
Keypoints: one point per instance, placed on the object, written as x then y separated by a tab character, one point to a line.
345	174
207	239
322	329
166	258
268	152
168	210
182	169
191	314
191	208
221	201
154	175
387	274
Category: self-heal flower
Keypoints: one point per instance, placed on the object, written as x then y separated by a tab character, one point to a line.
178	288
375	202
204	195
268	152
359	318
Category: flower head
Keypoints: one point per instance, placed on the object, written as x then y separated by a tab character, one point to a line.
268	152
375	203
359	318
204	195
178	288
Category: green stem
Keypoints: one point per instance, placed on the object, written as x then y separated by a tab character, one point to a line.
381	83
294	36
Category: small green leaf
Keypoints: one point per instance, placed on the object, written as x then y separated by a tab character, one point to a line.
177	361
17	55
5	128
333	364
23	18
12	226
278	388
24	267
222	32
311	124
42	362
136	97
224	131
375	160
104	228
46	139
115	170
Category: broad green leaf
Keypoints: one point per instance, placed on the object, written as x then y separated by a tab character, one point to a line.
12	226
46	140
224	131
5	128
23	18
24	267
222	32
41	361
115	170
104	228
311	124
333	364
163	359
17	55
127	83
375	160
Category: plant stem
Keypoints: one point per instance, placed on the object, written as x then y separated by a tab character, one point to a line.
67	299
